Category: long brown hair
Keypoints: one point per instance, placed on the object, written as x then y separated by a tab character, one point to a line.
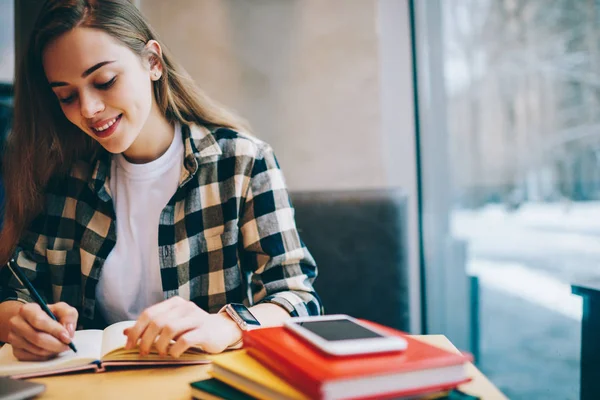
43	143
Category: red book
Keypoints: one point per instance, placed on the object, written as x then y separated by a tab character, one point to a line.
420	369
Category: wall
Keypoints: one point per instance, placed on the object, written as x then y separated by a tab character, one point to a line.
304	73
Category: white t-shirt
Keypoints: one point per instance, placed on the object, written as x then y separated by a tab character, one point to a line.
130	280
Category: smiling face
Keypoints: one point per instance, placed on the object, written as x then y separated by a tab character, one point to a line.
103	87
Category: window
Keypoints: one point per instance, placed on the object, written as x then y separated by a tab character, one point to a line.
509	92
7	41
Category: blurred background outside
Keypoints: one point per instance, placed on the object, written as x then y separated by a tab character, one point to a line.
522	80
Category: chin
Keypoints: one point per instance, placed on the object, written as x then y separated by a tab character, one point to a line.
118	144
114	147
112	150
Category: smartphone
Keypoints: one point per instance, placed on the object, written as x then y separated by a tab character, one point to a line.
342	335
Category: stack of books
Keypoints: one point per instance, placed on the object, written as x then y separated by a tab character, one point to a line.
277	364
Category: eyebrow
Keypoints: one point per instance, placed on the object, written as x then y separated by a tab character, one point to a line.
85	74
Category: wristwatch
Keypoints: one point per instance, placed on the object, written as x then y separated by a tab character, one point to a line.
240	314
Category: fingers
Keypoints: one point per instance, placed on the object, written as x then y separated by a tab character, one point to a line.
172	330
39	339
186	341
24	355
66	315
149	336
182	321
34	316
20	343
34	335
149	315
167	321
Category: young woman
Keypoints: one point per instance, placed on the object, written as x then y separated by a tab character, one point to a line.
131	196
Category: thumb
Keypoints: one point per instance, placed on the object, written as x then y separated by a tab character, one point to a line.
66	315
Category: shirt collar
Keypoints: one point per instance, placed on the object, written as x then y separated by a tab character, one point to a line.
200	147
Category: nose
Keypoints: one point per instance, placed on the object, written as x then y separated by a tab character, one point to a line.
90	104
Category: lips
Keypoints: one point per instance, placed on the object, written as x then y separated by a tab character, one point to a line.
106	128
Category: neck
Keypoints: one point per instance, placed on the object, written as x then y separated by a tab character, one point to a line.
153	141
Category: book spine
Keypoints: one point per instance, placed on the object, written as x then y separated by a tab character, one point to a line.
311	370
291	375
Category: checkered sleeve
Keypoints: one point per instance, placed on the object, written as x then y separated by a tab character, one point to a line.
282	269
33	264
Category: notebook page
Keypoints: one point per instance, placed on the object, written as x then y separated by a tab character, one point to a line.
113	337
87	342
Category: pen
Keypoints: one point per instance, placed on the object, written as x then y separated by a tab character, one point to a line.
16	270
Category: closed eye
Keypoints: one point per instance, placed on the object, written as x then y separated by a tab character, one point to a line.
101	86
66	100
106	85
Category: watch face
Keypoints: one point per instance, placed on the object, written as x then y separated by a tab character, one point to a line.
245	314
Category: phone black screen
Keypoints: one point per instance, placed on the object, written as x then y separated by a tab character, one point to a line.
338	329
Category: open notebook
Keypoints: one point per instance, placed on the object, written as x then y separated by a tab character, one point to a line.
96	350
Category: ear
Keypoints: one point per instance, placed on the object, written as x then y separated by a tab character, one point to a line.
154	59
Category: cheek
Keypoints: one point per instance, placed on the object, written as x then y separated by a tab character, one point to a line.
143	93
135	98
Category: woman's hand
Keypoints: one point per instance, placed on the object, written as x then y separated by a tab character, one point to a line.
186	323
35	336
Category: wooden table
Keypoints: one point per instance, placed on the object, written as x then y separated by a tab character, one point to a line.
173	382
480	385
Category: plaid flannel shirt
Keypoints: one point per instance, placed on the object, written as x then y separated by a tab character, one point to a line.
227	235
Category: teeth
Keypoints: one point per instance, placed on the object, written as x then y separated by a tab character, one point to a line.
107	125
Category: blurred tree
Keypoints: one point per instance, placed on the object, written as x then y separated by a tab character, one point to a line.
523	81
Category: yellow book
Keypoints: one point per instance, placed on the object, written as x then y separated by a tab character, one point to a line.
96	350
244	373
